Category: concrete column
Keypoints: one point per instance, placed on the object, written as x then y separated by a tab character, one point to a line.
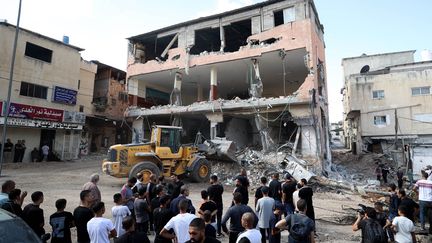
199	93
176	96
308	141
213	130
138	131
213	84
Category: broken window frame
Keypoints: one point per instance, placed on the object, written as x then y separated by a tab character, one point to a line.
378	94
243	28
203	44
284	16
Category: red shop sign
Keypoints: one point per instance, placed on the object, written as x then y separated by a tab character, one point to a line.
35	112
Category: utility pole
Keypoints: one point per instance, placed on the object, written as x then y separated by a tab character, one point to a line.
9	89
396	128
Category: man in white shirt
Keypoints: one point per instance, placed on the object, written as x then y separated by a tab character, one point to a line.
180	224
403	227
100	229
424	188
119	212
45	152
264	209
251	234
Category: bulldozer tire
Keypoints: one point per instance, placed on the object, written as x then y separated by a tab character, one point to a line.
201	171
146	168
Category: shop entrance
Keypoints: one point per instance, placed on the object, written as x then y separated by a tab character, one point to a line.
47	137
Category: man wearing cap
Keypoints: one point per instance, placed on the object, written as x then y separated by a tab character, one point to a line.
264	209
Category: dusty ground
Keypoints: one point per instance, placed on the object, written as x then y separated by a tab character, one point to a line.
65	179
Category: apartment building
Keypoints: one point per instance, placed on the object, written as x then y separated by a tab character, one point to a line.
387	107
52	90
254	75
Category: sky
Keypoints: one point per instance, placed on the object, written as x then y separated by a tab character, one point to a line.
351	27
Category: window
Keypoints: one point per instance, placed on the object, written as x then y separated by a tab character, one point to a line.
79	84
284	16
81	108
123	96
38	52
380	120
378	94
113	101
33	90
420	91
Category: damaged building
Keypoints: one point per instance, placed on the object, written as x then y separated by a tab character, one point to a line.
387	107
255	76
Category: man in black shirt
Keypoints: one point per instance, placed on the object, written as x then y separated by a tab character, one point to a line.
13	205
258	192
207	205
33	214
155	202
234	214
306	193
7	152
288	189
275	189
161	216
240	188
82	214
215	191
197	232
407	202
61	222
175	186
131	235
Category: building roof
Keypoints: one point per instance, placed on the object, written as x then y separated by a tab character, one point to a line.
379	54
215	16
103	65
42	36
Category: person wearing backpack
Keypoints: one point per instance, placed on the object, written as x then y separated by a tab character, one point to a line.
371	230
301	228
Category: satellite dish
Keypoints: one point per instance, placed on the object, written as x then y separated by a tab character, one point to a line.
365	69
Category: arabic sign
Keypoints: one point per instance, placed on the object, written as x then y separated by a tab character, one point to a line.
40	124
35	112
74	117
65	96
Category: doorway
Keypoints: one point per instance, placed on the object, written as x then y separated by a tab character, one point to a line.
47	137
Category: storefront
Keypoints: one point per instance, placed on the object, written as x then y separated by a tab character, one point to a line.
39	126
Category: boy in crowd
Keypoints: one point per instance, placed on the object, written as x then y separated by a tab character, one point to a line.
119	212
403	226
61	222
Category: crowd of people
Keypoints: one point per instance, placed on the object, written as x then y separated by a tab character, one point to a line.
16	152
166	211
398	224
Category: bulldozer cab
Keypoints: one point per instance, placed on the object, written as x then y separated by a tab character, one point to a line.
167	137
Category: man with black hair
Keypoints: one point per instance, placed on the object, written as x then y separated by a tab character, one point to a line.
234	214
301	228
264	209
424	189
207	205
13	205
128	195
179	223
118	212
131	235
61	222
7	187
197	232
215	191
306	193
243	190
288	189
275	188
371	230
100	229
82	214
410	205
209	228
184	193
175	186
161	216
150	195
394	201
258	192
142	211
33	214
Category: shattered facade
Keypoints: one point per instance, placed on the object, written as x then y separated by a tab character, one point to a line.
255	76
387	107
105	125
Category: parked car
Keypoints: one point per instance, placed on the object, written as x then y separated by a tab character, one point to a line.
14	229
